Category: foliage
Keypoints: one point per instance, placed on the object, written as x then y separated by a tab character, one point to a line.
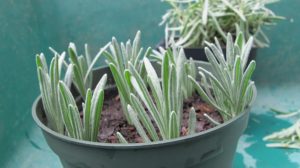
78	72
228	87
164	100
195	21
82	67
188	70
286	138
48	81
92	108
118	59
151	93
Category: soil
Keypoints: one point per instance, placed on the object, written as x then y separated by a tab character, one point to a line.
113	120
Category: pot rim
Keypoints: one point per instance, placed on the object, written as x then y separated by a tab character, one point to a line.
129	145
161	42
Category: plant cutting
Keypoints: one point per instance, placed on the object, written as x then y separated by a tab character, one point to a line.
135	108
191	23
288	137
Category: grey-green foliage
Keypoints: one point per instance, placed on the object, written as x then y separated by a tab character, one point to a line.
78	71
288	137
118	58
189	67
165	102
197	21
92	108
48	81
82	67
192	121
121	138
228	87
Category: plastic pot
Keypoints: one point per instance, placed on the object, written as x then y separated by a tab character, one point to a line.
213	148
199	53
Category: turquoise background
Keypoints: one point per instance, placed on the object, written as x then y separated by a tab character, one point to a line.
29	27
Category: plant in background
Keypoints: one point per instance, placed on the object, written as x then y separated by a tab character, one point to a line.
193	21
228	87
118	58
88	128
188	70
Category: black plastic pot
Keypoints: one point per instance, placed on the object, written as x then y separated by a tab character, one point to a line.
199	53
214	148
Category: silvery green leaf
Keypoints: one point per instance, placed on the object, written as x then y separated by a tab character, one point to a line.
192	121
165	83
87	113
41	62
143	116
211	119
87	54
93	62
120	82
68	75
154	83
174	130
205	12
203	95
143	93
218	26
121	138
247	76
75	119
246	51
117	51
78	81
240	40
136	44
65	100
230	55
96	107
239	13
73	54
137	124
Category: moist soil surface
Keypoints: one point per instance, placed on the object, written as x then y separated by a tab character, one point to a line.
113	120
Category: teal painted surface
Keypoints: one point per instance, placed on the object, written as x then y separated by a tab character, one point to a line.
28	27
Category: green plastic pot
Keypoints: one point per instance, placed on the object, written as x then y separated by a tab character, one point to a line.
214	148
199	53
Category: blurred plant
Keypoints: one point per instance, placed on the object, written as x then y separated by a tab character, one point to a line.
118	58
192	22
228	87
286	138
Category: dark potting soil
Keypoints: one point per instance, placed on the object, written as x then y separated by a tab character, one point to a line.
113	120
